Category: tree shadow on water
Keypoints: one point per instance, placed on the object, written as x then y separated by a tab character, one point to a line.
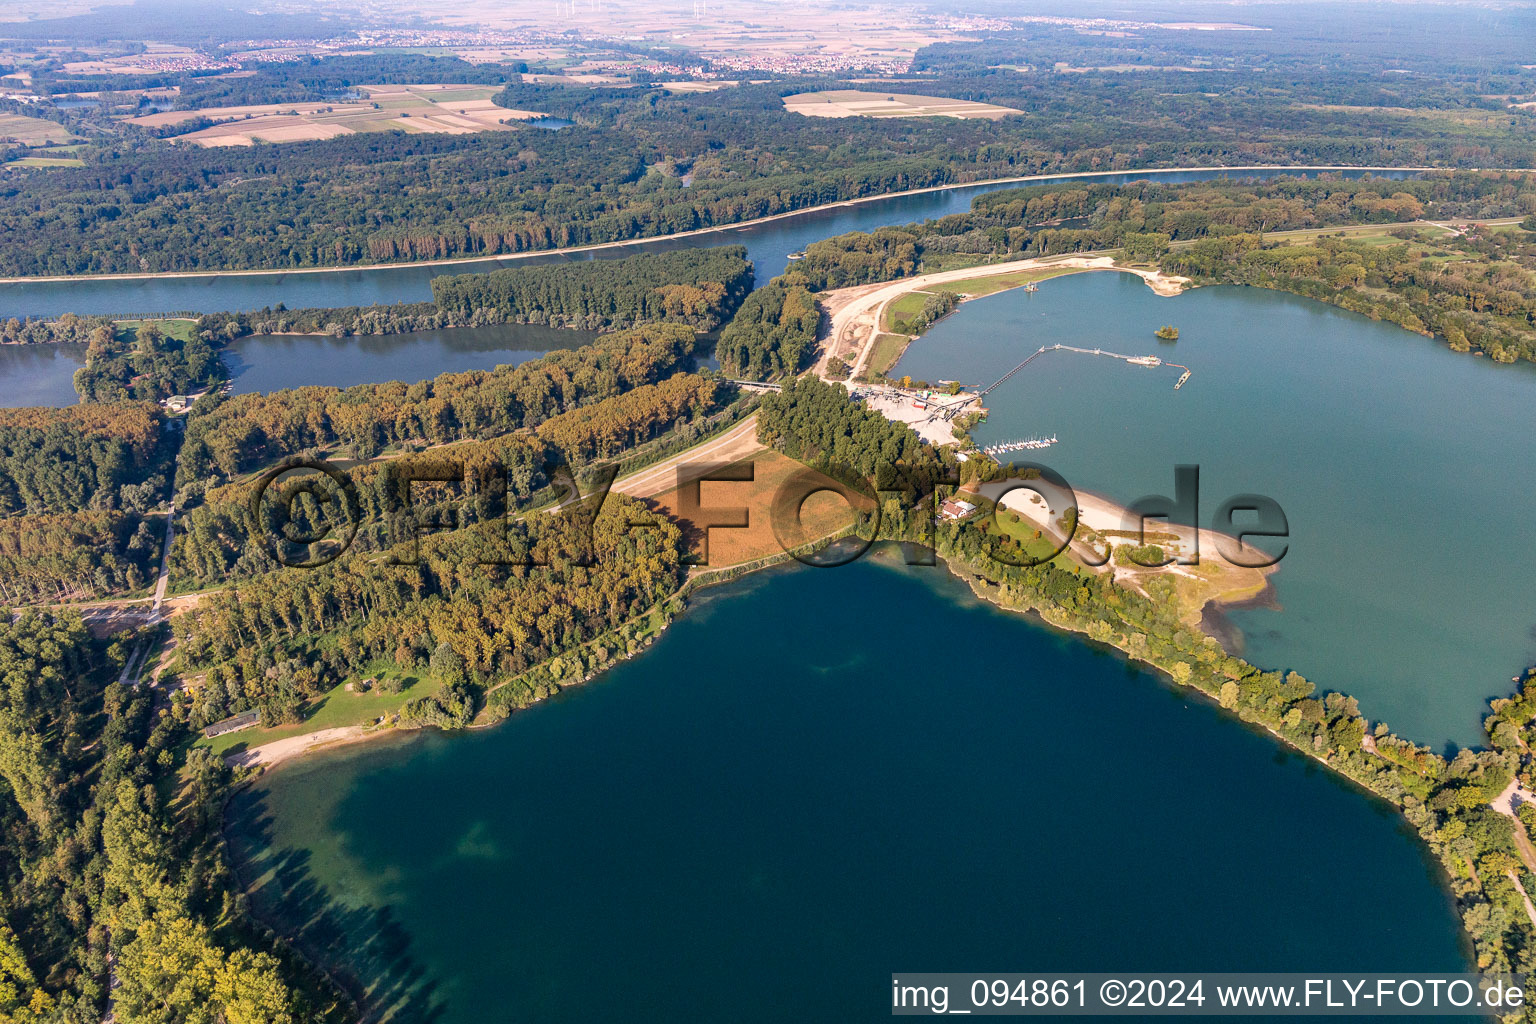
363	948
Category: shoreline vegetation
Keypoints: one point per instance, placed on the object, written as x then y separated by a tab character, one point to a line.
471	636
1448	802
713	229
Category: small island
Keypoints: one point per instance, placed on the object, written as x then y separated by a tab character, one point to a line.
1166	333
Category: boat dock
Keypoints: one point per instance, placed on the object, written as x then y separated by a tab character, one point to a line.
1032	444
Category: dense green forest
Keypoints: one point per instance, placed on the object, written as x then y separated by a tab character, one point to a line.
244	432
79	555
700	287
817	424
142	205
67	460
218	540
1144	217
773	334
274	641
1445	801
111	859
1470	291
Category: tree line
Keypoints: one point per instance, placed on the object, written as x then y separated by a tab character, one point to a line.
285	637
75	556
1145	217
640	163
772	334
700	287
1483	303
229	436
218	540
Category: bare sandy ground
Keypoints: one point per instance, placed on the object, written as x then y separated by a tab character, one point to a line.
732	446
278	751
1103	516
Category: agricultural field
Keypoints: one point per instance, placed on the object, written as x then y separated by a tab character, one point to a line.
46	161
448	109
853	103
32	131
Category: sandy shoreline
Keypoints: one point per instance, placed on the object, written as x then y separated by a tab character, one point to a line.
695	232
269	755
855	313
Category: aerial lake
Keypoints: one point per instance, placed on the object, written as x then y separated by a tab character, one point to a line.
39	374
734	826
1404	470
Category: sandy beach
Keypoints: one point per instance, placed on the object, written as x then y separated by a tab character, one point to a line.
270	754
856	312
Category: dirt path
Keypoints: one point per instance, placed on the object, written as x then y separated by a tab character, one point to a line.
1506	804
503	257
732	446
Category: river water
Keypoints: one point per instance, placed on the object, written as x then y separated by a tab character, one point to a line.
266	364
742	826
768	245
1403	469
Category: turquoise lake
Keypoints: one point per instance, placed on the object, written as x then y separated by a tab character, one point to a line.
813	779
1404	469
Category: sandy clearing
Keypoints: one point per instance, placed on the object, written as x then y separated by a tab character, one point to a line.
852	103
735	444
278	751
172	117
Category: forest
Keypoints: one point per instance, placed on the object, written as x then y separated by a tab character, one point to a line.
218	540
815	423
277	640
76	556
111	860
773	334
230	436
79	457
699	287
641	163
